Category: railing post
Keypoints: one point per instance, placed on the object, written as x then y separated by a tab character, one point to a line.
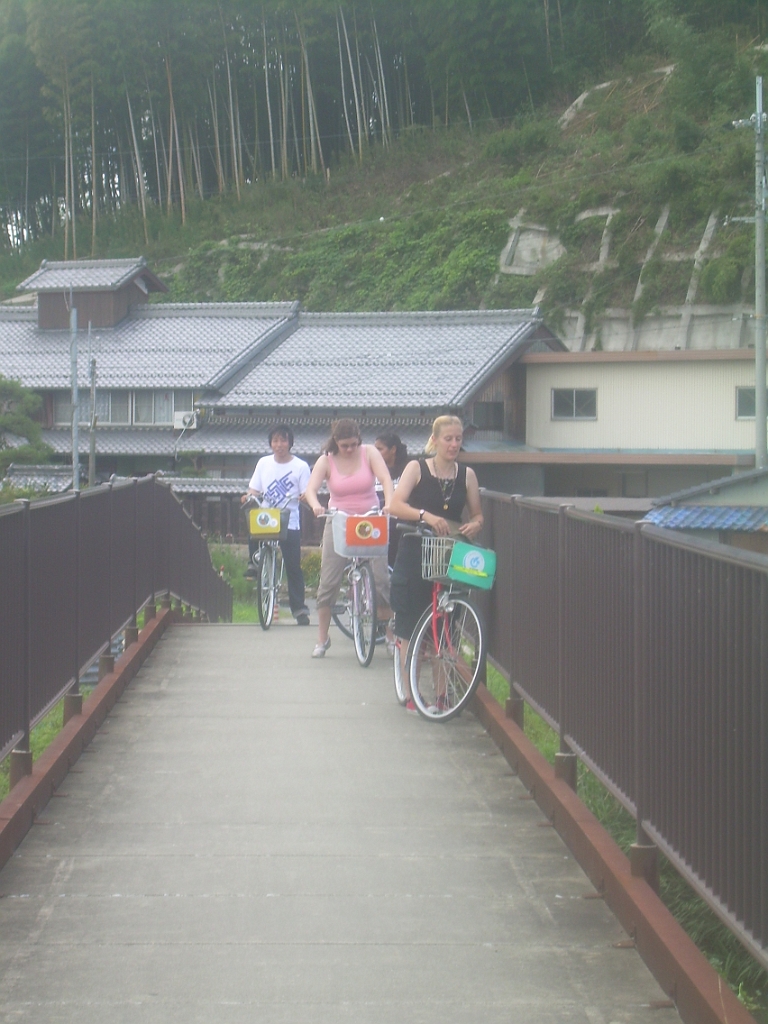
515	709
169	500
73	700
643	854
149	608
131	633
107	659
21	756
566	761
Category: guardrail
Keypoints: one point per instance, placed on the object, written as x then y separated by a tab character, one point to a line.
647	651
74	572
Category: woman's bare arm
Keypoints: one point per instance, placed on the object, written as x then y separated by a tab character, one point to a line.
316	479
380	471
474	525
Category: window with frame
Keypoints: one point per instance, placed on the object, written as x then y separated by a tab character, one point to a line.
163	412
119	407
143	407
745	403
62	408
183	401
574	403
488	415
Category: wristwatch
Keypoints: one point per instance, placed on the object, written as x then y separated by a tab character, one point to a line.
421	515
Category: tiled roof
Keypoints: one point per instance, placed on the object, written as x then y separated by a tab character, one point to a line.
9	440
745	518
115	441
158	346
410	360
714	486
53	479
212	439
79	275
206	485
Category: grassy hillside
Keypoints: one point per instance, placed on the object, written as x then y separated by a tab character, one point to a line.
421	225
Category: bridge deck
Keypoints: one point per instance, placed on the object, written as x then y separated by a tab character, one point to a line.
256	836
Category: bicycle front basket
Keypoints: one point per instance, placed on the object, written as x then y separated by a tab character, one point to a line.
360	536
268	523
436	557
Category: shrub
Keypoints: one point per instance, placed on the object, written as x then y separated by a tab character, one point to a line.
310	566
513	145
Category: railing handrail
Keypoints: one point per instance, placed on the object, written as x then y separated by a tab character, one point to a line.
75	570
647	651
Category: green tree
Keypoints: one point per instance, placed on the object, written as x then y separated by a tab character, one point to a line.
19	408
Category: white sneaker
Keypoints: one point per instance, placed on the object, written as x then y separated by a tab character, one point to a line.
320	649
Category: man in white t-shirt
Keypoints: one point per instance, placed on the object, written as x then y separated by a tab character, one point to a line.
281	478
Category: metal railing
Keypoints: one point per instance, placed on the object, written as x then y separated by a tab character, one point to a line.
647	651
74	572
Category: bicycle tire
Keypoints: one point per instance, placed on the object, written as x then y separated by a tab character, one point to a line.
364	615
444	680
342	616
341	612
265	586
400	674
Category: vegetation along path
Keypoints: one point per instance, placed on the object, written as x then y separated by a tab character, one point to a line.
257	835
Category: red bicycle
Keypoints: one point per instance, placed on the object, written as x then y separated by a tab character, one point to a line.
446	653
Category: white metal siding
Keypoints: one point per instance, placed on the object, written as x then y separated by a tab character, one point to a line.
685	406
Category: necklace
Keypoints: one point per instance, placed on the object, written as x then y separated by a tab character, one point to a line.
447	485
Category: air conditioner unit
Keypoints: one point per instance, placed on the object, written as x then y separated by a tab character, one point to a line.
184	421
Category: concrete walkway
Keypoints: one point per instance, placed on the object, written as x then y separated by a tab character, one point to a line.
254	836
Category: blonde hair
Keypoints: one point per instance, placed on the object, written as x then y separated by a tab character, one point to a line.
438	427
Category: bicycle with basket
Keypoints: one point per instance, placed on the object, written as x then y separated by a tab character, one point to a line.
446	652
360	538
268	525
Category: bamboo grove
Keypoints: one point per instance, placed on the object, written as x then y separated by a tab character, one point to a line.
153	103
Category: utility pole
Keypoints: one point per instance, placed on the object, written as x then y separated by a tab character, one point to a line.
757	121
92	439
761	457
75	400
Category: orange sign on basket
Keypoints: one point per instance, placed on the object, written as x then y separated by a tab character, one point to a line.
366	531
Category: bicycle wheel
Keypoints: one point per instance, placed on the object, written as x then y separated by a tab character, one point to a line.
444	677
342	612
363	613
265	586
399	673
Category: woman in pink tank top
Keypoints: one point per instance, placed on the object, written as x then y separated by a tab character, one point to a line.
350	468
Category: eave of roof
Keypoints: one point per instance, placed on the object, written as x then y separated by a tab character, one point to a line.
655	356
602	458
133	441
223	486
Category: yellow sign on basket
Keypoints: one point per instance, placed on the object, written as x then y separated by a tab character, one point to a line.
264	522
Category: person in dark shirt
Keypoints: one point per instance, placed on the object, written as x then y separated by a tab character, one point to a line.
435	491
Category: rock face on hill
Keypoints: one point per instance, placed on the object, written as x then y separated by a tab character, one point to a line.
532	248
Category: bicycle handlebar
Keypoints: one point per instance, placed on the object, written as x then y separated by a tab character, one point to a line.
420	528
331	512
